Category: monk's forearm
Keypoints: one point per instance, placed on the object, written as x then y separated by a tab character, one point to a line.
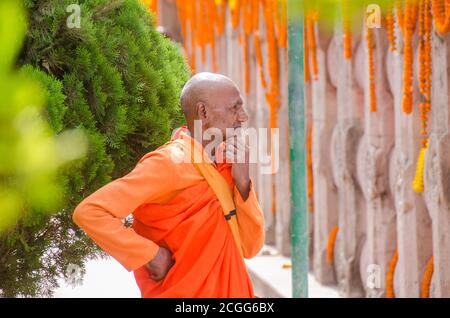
108	231
251	222
243	188
101	214
241	178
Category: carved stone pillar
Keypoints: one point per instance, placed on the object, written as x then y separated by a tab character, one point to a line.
437	166
373	173
324	116
345	139
413	222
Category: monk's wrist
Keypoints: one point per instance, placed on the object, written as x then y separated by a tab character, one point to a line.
243	188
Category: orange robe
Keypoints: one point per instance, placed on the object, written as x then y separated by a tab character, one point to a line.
174	207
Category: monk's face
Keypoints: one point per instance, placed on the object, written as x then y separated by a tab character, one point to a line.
226	109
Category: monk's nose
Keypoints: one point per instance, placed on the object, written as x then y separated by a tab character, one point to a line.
242	116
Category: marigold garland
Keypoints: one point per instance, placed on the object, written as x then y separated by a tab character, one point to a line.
306	49
418	184
274	193
221	12
212	17
273	95
245	50
255	14
191	21
441	13
182	16
247	11
390	293
331	244
311	35
202	20
425	69
407	23
309	165
371	64
390	28
427	276
282	23
259	59
235	9
347	31
425	66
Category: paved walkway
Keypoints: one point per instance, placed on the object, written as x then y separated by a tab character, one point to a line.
108	279
104	279
272	279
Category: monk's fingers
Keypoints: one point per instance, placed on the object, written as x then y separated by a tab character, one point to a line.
240	151
241	143
237	148
229	156
157	276
235	156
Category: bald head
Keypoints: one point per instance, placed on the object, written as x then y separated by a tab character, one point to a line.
215	101
203	88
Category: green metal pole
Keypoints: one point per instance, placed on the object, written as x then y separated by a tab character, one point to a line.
299	218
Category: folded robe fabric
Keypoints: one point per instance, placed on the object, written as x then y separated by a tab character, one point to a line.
220	187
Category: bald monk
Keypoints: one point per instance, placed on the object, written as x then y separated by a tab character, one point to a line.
181	244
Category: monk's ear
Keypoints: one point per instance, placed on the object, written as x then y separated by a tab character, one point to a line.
201	110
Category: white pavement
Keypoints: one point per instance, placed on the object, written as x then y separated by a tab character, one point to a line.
271	278
106	278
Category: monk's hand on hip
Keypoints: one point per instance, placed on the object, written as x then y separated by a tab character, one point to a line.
237	152
160	264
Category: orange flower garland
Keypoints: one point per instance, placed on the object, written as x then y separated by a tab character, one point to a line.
255	14
235	9
273	96
246	64
425	67
441	13
331	244
373	97
274	196
212	17
247	10
202	17
311	34
182	16
390	293
307	71
199	14
282	24
427	276
407	22
400	16
221	14
309	165
347	31
259	58
390	28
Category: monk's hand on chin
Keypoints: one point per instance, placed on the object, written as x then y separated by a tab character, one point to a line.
237	153
160	264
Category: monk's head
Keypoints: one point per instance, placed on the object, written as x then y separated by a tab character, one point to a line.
215	100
